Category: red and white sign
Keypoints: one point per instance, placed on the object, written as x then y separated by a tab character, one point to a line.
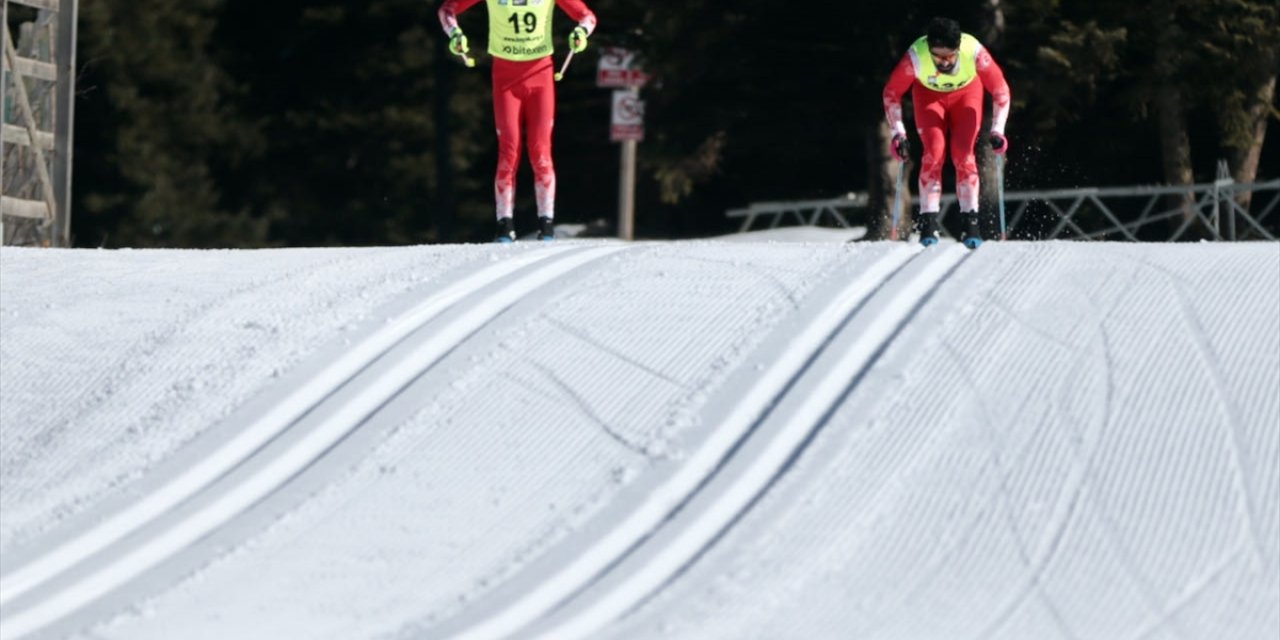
628	116
617	68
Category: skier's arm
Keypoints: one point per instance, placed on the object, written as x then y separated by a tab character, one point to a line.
577	10
993	79
899	81
448	13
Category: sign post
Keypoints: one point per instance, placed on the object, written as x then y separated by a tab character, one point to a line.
627	127
617	70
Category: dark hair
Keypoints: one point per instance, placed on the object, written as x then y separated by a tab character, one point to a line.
943	32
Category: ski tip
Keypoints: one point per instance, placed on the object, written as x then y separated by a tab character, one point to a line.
973	243
928	242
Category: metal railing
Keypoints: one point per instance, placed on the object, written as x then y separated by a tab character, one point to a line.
1169	213
36	91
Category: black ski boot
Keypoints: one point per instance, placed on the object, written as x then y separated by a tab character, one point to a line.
927	226
506	231
546	229
972	236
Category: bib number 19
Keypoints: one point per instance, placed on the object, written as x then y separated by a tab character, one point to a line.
530	20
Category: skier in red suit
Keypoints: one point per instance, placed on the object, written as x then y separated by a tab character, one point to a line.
947	71
523	92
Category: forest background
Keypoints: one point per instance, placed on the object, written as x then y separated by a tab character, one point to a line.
242	123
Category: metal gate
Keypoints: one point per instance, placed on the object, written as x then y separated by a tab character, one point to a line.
36	96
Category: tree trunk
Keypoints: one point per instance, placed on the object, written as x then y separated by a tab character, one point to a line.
1171	121
993	27
992	24
1175	148
1244	160
882	192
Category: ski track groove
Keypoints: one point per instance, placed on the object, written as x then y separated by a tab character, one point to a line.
586	338
1243	466
148	343
1002	471
1034	558
606	546
581	404
550	263
763	472
1192	450
1092	419
1235	422
1083	499
1197	587
1110	530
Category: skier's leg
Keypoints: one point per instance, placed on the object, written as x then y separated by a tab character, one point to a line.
506	116
965	117
931	125
539	120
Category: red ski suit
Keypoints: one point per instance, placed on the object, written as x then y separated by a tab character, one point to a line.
939	114
524	97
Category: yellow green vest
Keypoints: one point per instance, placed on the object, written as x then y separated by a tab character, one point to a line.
966	66
520	29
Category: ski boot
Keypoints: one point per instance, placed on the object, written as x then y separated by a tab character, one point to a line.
546	229
927	226
506	231
972	236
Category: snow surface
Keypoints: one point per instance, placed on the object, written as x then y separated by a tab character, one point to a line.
711	439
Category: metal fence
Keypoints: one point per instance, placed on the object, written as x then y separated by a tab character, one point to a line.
36	93
1159	213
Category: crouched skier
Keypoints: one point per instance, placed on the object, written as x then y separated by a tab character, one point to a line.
940	69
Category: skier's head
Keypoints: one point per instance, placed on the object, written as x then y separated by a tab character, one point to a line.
943	33
943	36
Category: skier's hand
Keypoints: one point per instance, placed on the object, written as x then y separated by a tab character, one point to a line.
458	42
900	147
999	143
578	39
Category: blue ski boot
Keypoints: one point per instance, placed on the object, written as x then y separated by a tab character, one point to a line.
506	231
972	236
927	225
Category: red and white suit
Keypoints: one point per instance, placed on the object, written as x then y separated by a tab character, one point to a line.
939	115
524	98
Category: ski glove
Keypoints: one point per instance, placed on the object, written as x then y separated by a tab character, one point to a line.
900	147
578	39
458	42
999	143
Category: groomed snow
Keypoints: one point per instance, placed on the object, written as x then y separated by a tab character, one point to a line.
596	439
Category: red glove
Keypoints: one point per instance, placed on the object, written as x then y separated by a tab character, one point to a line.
899	147
999	143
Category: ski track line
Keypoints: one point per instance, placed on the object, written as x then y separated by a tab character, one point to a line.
236	499
262	430
603	553
788	428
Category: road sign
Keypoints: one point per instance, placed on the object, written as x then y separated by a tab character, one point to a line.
628	116
618	68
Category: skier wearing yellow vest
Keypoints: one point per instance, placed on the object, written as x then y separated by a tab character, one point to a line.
524	95
947	71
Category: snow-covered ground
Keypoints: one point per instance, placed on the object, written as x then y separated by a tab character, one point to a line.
594	439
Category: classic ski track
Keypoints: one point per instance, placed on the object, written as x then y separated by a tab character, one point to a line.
622	557
797	415
87	566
